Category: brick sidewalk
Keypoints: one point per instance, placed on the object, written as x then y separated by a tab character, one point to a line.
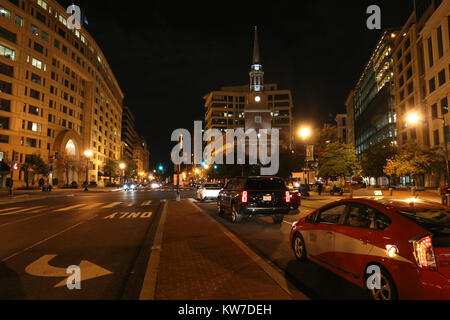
198	261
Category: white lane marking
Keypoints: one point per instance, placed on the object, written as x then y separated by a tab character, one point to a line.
111	205
10	209
23	210
146	203
130	205
70	207
92	206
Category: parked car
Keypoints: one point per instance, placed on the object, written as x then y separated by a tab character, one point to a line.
208	191
254	197
296	198
408	241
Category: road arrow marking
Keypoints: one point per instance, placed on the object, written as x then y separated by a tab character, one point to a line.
42	268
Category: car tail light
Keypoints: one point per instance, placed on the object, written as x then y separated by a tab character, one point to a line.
424	253
299	194
288	196
244	197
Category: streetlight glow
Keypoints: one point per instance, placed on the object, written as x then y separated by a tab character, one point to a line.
122	165
304	133
88	153
413	118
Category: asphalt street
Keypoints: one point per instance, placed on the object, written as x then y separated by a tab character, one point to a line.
107	235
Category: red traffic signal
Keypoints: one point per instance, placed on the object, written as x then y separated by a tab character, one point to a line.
16	166
292	152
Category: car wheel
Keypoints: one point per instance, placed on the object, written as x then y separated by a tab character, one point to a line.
298	245
295	206
278	218
235	216
219	209
387	289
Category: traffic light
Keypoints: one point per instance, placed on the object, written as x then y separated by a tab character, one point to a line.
215	167
160	168
293	152
15	156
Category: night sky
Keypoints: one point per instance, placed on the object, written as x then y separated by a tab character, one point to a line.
167	54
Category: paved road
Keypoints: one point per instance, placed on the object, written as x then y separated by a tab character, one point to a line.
272	242
106	234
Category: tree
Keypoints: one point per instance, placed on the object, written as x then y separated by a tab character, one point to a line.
324	136
111	169
36	164
131	167
339	160
413	162
374	160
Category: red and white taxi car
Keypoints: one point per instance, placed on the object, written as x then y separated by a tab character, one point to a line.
407	240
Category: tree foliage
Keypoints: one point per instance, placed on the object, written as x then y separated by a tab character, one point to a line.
338	160
111	169
374	160
412	161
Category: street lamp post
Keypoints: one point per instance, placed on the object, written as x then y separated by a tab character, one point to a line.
122	167
305	133
88	154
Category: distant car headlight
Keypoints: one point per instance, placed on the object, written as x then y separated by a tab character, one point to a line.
155	185
133	186
296	185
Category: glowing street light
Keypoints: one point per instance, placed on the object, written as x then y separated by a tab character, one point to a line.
122	167
304	133
413	118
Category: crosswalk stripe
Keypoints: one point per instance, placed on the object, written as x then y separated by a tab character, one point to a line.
146	203
23	210
10	209
70	208
111	205
92	206
130	204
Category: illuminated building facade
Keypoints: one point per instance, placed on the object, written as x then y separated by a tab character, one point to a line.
58	95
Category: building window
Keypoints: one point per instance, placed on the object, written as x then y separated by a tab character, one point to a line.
436	137
5	105
38	47
6	69
8	35
430	52
4	123
5	13
35	94
409	73
33	110
7	52
434	112
4	138
32	126
34	30
5	87
31	142
18	20
441	77
432	85
444	105
36	78
440	44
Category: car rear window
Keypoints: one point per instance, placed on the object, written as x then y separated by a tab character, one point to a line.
435	220
265	184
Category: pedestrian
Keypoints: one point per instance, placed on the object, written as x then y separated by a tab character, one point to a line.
319	188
